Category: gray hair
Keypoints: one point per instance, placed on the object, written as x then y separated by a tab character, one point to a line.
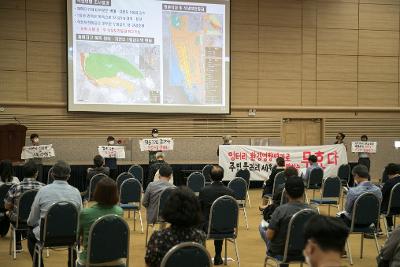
160	155
61	170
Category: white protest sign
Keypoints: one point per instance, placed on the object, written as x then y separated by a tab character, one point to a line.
112	151
42	151
364	146
259	160
156	144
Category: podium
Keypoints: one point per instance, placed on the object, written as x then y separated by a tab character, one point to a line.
12	139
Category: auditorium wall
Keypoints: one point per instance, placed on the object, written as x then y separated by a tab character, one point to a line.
336	60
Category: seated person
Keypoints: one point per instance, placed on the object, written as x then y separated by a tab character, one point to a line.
153	193
207	196
325	239
361	177
274	233
390	252
154	174
269	184
313	164
6	173
182	211
99	168
106	197
52	193
30	172
393	172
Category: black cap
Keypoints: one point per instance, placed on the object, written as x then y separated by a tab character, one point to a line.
155	130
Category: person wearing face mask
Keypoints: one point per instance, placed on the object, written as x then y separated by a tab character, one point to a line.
363	157
325	238
111	163
227	139
152	154
38	161
363	185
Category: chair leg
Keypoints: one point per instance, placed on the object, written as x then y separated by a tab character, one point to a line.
386	226
226	252
134	220
248	198
14	244
349	252
237	252
376	243
47	253
329	209
147	233
141	222
245	217
362	245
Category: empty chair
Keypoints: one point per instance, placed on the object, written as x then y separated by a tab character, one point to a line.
92	185
344	172
239	188
161	203
123	177
245	174
59	228
393	207
137	172
330	193
315	180
223	223
108	241
364	220
187	254
196	181
207	173
130	197
24	208
294	245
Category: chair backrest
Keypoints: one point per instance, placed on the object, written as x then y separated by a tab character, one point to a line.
245	174
344	172
207	172
108	240
50	177
223	216
295	234
365	210
24	206
137	172
3	192
331	187
279	180
384	176
394	200
196	181
239	188
163	199
130	191
60	226
316	176
187	254
93	182
123	177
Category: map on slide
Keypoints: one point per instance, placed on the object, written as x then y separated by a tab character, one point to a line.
108	76
186	38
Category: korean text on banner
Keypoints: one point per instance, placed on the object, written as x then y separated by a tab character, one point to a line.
112	151
364	147
42	151
259	160
156	144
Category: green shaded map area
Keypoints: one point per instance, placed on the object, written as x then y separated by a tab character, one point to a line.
98	66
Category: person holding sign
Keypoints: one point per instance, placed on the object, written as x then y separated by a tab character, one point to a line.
363	157
39	162
227	139
152	154
111	163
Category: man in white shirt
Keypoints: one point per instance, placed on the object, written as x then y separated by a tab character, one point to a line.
57	191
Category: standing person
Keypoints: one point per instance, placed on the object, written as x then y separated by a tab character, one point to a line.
207	197
227	139
111	163
30	172
393	172
52	193
6	173
340	138
38	161
152	154
325	239
363	157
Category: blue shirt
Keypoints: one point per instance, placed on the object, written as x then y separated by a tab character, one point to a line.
48	195
355	192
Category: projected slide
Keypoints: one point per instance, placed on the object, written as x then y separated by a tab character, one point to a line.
148	56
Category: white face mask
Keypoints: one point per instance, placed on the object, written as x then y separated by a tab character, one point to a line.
155	135
36	140
230	142
111	143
